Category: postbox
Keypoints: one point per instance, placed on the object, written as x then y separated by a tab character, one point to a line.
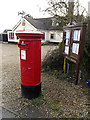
30	63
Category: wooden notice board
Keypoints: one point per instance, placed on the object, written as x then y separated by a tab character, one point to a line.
73	44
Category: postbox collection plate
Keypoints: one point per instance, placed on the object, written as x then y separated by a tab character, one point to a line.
23	54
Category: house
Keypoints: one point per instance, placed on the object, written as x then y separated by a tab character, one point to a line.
4	35
48	26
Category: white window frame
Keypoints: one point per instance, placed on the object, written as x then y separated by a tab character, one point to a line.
53	36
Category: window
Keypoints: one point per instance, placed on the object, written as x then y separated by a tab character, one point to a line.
53	23
52	36
57	24
11	35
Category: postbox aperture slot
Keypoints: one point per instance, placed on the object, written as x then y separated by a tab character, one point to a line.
23	54
22	44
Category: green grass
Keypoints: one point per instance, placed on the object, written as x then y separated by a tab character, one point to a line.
73	116
53	106
62	109
49	43
48	68
42	70
60	103
37	101
62	116
23	100
55	72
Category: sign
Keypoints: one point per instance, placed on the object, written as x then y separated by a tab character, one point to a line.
75	48
67	40
73	45
66	50
73	42
23	54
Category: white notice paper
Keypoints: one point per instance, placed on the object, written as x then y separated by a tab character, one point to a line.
67	50
75	48
23	54
67	42
67	34
76	35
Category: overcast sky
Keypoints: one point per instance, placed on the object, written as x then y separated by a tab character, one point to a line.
9	10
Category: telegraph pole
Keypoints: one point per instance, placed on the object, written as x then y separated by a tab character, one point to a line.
70	10
78	7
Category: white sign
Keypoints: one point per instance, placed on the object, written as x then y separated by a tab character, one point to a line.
76	35
67	34
67	42
75	48
23	54
67	50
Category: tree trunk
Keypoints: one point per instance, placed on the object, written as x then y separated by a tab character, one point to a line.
70	11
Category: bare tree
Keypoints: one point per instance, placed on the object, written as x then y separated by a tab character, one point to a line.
66	11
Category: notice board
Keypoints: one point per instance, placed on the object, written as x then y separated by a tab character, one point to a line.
73	43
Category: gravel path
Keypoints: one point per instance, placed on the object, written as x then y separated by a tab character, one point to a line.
59	98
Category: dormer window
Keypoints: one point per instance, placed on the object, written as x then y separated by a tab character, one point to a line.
53	23
57	24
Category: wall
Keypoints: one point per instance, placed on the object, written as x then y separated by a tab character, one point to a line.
58	36
27	26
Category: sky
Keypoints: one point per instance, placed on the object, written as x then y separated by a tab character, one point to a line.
9	10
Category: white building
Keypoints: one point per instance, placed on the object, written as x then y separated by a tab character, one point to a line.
48	26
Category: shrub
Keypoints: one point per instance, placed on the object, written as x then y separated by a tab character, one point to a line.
54	59
85	63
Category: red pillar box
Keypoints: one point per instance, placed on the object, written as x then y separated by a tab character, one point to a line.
30	60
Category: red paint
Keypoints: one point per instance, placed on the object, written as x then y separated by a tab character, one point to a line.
21	30
31	67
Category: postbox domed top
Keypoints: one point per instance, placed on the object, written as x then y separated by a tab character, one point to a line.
28	35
